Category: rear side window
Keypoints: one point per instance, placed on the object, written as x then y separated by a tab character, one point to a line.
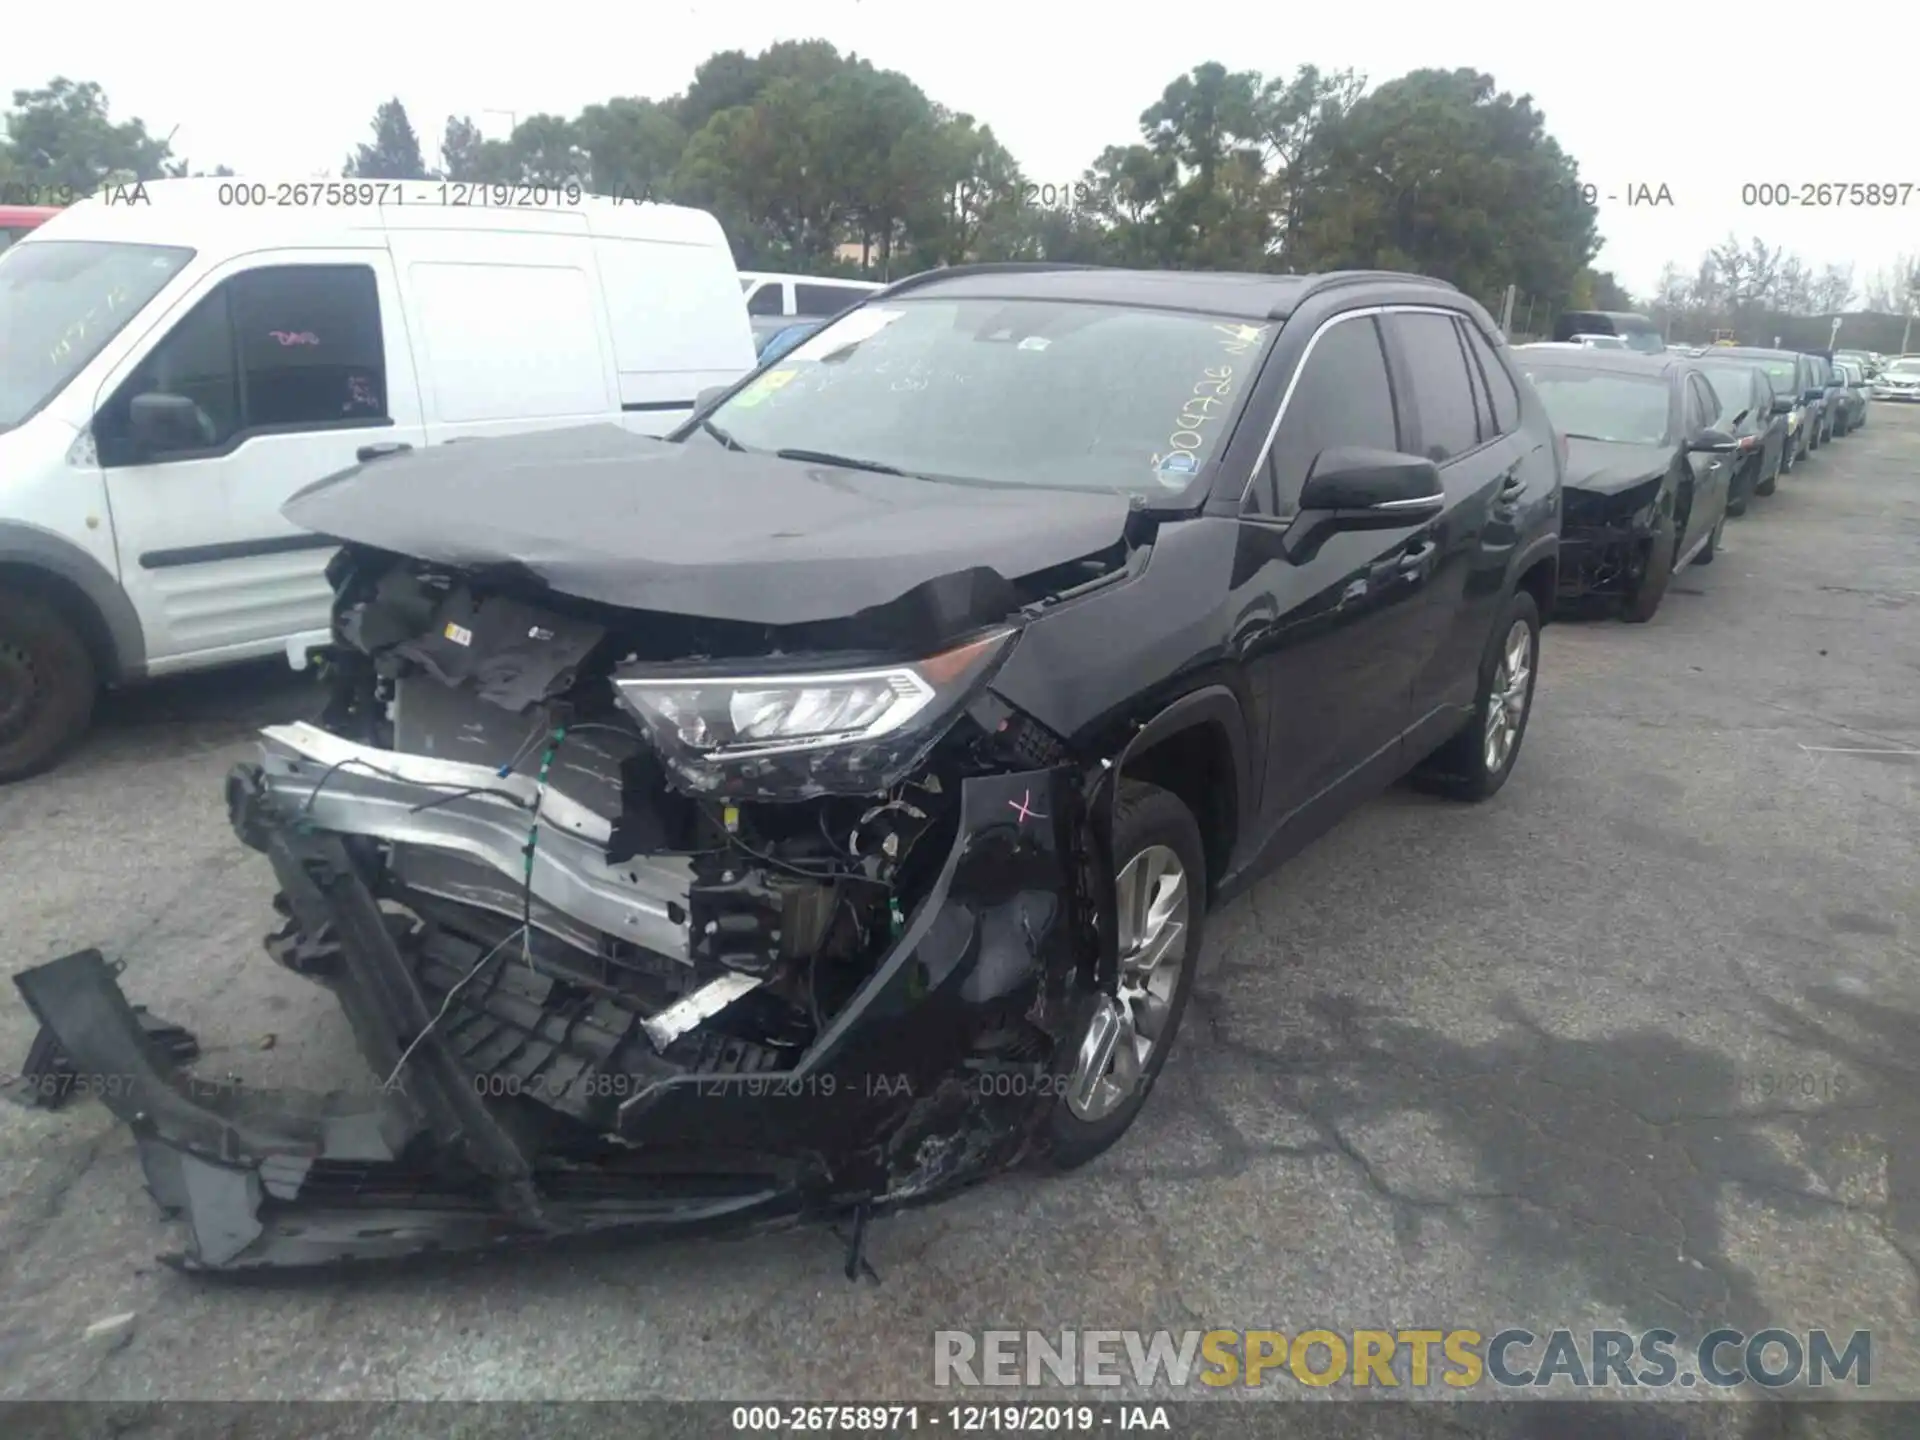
1340	397
1442	391
822	299
767	300
1500	387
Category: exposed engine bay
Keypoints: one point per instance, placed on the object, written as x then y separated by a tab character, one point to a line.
639	921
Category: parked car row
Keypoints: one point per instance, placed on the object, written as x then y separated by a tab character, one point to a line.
1664	446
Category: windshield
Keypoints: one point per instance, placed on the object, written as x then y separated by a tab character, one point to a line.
1781	373
1008	392
1594	405
60	302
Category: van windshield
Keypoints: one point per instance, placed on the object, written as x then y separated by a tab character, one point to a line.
61	301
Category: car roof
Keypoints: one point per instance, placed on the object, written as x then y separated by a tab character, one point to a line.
1234	294
1620	362
1758	353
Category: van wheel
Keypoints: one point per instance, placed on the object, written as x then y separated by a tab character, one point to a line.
1475	763
47	684
1117	1045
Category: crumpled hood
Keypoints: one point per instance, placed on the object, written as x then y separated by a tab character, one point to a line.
693	529
1607	467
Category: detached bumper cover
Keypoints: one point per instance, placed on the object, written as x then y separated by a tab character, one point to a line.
882	1109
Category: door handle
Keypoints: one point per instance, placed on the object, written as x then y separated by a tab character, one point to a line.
1416	558
375	452
1512	487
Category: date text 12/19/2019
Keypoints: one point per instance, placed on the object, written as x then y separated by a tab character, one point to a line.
1010	1083
960	1419
452	194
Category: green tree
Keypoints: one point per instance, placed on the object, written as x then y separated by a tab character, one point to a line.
462	148
631	147
1441	173
395	151
63	135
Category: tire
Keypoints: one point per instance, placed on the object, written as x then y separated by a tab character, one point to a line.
47	684
1644	599
1712	547
1146	819
1462	769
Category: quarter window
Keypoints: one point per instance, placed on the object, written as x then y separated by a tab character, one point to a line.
1442	391
1341	397
287	347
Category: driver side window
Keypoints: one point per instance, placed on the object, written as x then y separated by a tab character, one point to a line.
1341	397
286	347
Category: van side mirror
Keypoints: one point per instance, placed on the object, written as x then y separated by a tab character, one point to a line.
161	422
707	396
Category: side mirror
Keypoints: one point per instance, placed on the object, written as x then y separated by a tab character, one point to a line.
1815	393
1712	441
160	422
1353	488
1735	422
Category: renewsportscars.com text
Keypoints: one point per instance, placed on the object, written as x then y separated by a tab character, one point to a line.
1453	1359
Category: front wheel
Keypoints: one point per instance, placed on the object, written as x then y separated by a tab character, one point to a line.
47	684
1123	1039
1712	547
1476	762
1644	599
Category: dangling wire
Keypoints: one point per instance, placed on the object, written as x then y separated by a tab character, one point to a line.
533	840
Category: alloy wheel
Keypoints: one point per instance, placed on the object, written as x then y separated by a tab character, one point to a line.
1153	900
1507	700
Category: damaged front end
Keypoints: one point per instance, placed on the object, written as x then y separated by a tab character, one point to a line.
639	922
1607	538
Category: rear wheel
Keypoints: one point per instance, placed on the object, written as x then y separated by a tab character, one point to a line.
47	684
1648	591
1475	763
1122	1042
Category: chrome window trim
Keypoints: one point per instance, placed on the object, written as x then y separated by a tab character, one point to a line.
1293	381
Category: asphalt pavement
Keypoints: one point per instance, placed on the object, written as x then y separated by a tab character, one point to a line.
1630	1045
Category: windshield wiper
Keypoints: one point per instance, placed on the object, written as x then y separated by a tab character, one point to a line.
845	462
722	436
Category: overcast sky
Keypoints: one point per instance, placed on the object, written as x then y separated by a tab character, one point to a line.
1675	101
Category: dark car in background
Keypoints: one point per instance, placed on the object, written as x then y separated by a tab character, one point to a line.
1636	332
1792	376
1869	365
1648	470
1747	413
914	733
1854	394
1832	403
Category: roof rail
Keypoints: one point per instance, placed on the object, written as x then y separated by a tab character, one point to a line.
988	267
1332	278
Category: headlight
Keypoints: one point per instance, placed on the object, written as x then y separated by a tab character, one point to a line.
790	736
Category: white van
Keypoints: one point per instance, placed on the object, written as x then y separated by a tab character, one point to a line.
775	301
175	362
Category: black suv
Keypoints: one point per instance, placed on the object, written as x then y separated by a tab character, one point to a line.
821	808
